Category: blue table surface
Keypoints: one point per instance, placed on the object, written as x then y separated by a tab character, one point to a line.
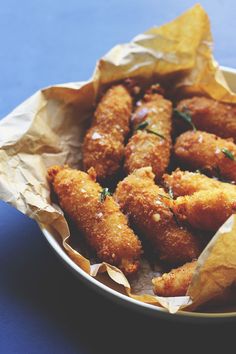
44	43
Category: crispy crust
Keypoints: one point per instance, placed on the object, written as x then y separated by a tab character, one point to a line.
102	223
205	210
202	150
211	116
147	149
186	183
103	146
202	201
148	210
176	282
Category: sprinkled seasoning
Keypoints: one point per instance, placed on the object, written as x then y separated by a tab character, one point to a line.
96	136
170	191
156	217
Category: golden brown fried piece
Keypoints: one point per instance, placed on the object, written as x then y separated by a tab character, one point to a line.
145	148
186	183
101	221
176	282
206	151
205	210
211	116
146	205
202	201
103	146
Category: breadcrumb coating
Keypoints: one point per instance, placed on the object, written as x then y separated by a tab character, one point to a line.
186	183
211	116
201	150
147	207
205	210
103	146
101	221
176	282
145	148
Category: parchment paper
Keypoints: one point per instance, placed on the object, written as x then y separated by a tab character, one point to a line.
48	128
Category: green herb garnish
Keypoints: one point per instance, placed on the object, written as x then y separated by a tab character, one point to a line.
170	196
155	133
144	125
175	217
104	193
165	196
186	116
228	154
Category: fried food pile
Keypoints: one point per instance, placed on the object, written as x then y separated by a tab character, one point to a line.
147	206
176	173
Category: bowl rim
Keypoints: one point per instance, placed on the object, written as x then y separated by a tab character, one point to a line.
125	299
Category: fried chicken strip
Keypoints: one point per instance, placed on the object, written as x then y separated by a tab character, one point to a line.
103	146
211	116
176	282
99	219
150	144
206	151
186	183
205	210
146	205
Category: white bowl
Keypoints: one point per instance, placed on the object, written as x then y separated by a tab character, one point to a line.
230	76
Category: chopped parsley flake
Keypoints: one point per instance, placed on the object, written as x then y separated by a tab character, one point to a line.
104	193
186	116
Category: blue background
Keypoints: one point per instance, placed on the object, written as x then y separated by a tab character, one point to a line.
44	43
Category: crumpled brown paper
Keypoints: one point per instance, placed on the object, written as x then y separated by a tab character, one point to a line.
48	129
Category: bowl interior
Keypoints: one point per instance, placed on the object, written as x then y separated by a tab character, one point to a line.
116	292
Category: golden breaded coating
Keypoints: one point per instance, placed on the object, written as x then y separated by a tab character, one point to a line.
146	205
103	146
176	282
101	221
205	210
211	116
152	115
206	151
186	183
